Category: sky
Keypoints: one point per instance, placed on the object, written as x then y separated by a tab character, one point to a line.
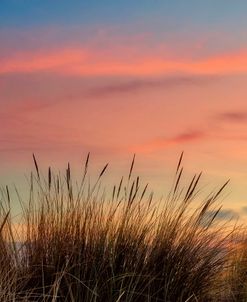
117	78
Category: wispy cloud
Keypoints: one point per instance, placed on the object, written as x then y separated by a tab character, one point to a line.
137	85
187	137
84	61
225	214
42	61
233	116
163	142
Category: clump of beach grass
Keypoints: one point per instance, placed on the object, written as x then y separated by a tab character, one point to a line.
82	244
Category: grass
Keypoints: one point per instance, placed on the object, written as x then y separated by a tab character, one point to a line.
79	243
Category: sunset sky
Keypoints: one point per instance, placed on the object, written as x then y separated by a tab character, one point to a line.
122	77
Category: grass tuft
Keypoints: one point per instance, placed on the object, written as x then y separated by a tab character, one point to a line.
82	244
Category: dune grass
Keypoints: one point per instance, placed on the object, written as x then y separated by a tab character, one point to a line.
80	243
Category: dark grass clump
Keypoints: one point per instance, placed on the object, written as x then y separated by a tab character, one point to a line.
82	243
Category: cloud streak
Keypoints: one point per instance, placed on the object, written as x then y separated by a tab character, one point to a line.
225	214
179	139
137	85
233	116
93	62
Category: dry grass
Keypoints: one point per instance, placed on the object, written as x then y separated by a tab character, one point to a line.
81	244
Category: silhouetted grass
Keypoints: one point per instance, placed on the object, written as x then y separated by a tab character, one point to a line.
82	244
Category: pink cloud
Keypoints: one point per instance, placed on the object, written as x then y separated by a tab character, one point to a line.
95	62
38	61
179	139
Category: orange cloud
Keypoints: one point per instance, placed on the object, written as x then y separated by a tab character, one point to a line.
54	61
182	138
85	62
226	64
